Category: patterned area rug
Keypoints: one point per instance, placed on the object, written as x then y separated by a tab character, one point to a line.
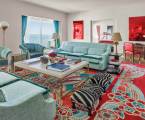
124	99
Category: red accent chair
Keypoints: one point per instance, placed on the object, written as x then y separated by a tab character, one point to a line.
129	50
139	51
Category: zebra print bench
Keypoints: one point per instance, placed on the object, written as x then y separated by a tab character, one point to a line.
87	98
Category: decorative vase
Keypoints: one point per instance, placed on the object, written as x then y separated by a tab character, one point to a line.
44	61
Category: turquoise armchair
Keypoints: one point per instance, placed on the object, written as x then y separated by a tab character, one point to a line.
5	56
32	50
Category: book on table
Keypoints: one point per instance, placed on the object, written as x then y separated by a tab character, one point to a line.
58	67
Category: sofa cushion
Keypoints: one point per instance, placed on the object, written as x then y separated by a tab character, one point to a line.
95	51
92	51
3	62
39	48
76	54
100	51
67	48
83	50
2	96
30	47
21	90
6	78
36	54
92	60
63	52
94	56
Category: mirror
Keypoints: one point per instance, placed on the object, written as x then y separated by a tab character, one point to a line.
102	30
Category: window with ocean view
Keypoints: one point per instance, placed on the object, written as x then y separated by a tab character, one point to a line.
39	30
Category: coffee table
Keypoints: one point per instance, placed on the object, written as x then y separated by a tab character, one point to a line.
36	66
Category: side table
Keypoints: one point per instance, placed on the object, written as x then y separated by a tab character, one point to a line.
17	57
114	63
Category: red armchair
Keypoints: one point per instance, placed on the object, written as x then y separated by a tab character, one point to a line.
129	50
135	50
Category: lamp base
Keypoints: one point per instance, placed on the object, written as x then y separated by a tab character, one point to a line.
116	51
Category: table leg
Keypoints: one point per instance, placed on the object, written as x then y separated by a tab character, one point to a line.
88	68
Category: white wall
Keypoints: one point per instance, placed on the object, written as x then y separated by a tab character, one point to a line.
12	10
119	14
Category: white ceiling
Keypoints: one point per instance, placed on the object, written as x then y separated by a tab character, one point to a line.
70	6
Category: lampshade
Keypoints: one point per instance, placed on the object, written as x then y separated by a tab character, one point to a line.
116	37
4	25
55	36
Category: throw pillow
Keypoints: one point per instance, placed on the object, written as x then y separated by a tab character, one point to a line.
92	51
67	48
2	96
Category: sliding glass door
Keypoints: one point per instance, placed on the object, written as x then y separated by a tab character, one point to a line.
40	31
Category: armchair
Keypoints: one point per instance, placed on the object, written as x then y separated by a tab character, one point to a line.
5	56
32	50
129	50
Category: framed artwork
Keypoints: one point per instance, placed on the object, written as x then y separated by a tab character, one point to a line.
102	30
137	28
78	30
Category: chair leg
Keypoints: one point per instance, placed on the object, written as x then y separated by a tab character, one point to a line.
139	59
125	55
133	58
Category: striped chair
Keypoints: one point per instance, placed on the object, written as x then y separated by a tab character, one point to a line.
5	56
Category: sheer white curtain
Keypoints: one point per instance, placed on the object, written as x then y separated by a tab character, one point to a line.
39	30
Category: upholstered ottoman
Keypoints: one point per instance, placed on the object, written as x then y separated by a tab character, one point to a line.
87	98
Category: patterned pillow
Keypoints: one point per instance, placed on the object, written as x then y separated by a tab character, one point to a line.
102	79
2	96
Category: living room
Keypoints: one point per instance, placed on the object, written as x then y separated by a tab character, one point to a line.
94	45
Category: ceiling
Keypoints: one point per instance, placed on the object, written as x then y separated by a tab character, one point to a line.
70	6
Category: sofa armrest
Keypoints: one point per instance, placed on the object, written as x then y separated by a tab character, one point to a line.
105	58
105	55
25	50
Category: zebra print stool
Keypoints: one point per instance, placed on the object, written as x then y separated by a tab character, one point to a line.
88	96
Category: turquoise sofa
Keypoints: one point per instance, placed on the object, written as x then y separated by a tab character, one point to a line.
97	54
32	50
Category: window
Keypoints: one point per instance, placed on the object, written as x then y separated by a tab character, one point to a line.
39	30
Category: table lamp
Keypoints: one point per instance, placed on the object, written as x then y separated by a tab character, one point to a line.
4	25
116	38
55	36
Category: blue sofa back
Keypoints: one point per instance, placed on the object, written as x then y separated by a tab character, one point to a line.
32	47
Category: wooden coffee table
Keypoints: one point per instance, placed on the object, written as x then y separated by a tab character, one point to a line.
37	67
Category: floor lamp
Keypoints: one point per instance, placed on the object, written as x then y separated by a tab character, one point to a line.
4	25
55	36
116	38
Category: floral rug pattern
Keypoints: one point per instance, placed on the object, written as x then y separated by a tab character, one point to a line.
124	99
127	98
